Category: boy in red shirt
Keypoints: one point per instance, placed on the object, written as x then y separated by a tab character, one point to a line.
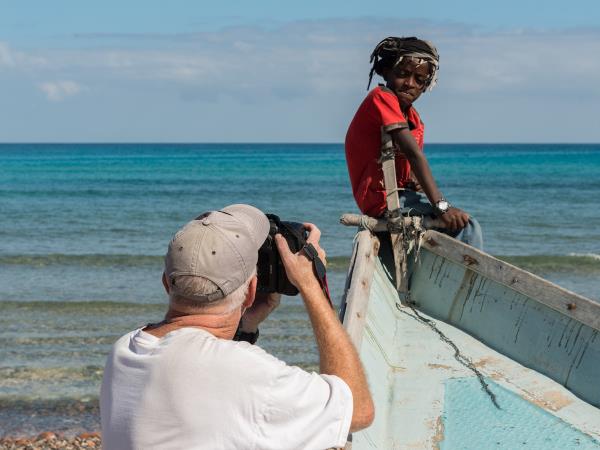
409	67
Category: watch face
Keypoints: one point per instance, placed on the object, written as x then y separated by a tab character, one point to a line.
442	205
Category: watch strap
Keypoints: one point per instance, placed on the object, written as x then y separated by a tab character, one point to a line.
442	210
246	336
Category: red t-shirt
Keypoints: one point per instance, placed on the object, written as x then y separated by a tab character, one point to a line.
379	112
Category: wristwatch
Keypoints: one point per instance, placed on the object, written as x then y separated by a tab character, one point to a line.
442	206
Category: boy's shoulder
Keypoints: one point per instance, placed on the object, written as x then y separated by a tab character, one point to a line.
382	90
382	95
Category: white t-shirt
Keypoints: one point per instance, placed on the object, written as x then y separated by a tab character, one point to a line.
191	390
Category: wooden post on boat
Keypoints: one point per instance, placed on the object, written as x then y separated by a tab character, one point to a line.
388	166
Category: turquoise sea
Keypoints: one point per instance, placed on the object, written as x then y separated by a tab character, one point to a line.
83	229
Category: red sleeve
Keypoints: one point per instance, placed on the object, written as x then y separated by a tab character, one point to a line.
388	109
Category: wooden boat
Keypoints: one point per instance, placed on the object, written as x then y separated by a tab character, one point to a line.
475	354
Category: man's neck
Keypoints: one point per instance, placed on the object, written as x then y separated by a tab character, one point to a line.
222	326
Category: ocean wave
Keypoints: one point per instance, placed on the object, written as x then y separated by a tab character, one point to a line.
338	263
102	260
588	263
586	255
15	376
87	307
94	260
25	415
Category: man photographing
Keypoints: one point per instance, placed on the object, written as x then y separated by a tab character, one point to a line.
185	383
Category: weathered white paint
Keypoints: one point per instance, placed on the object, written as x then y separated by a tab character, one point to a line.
539	290
408	367
361	273
512	311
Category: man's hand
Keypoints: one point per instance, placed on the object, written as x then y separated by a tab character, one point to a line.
337	355
455	219
298	267
264	304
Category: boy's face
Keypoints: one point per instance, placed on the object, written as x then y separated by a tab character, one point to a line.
408	80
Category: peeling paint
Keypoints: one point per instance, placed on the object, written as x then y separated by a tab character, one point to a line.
482	362
432	242
469	260
497	376
552	400
439	433
439	366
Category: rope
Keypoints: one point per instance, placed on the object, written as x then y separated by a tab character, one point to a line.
364	223
462	359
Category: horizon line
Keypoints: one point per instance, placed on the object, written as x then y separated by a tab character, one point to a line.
273	143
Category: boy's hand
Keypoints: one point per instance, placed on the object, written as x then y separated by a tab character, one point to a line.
413	184
455	219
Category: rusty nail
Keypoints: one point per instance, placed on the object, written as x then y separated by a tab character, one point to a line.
469	260
432	242
571	306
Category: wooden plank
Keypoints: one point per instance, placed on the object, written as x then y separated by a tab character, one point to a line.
356	297
566	302
382	225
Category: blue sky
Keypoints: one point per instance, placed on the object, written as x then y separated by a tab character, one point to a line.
275	71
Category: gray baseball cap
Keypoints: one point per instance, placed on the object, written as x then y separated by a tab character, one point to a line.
221	246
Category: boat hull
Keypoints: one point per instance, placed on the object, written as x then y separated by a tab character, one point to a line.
427	362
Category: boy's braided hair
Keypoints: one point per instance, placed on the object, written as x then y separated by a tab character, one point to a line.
392	50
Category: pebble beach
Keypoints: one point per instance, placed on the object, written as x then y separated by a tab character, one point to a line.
50	440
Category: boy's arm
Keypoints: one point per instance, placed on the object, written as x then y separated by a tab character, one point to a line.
404	142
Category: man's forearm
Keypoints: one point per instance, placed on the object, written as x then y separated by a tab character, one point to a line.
338	355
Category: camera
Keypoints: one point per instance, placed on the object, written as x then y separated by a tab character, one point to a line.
270	271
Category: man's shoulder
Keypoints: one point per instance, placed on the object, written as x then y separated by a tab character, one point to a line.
196	341
251	352
126	338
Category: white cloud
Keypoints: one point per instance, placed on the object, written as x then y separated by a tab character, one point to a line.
309	58
6	57
13	59
58	90
322	66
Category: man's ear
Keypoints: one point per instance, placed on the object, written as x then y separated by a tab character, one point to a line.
165	283
251	294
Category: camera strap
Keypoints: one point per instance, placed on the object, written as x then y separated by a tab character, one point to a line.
311	253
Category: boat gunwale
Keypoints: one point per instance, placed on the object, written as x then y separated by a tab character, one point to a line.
566	302
355	300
